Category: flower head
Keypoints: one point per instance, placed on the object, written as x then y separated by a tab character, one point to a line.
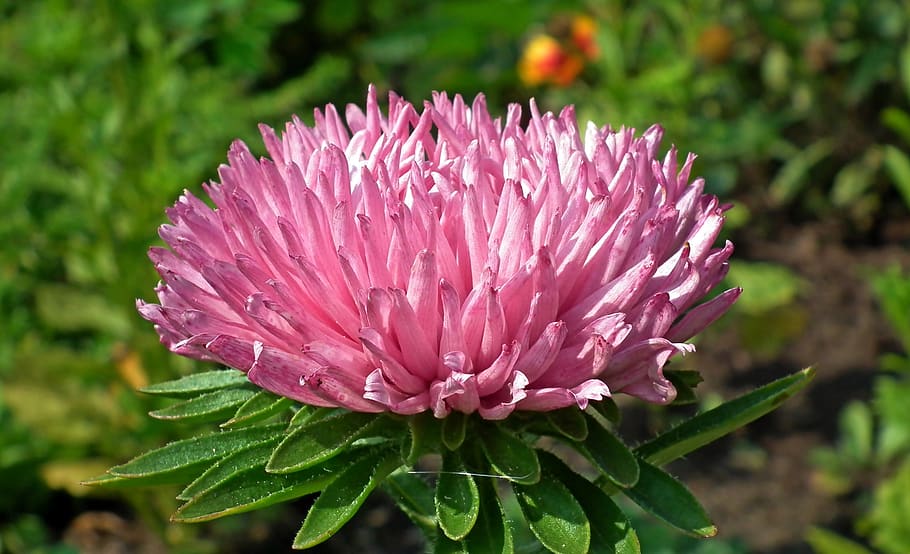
444	260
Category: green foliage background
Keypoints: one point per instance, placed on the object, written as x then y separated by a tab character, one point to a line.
108	109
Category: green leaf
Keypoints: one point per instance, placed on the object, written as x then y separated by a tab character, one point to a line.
611	531
181	461
241	460
490	534
343	497
904	62
254	488
898	121
424	436
71	308
311	413
887	523
898	165
685	383
454	428
824	541
857	427
729	416
854	179
894	363
510	456
210	406
257	408
569	422
793	175
666	498
689	378
609	455
555	517
892	290
445	545
769	286
198	383
414	496
605	409
457	500
316	441
114	482
890	403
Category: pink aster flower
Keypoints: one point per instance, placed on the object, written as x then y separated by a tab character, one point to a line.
444	260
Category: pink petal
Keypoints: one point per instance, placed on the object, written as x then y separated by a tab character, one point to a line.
698	318
280	372
494	377
555	398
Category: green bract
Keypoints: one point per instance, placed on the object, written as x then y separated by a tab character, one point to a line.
494	478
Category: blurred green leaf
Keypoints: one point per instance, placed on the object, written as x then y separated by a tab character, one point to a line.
776	67
824	541
855	179
873	64
892	290
895	363
71	309
888	525
856	427
765	286
898	165
898	121
904	68
793	175
890	402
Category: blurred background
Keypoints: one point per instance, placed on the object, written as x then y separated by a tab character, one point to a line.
799	111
